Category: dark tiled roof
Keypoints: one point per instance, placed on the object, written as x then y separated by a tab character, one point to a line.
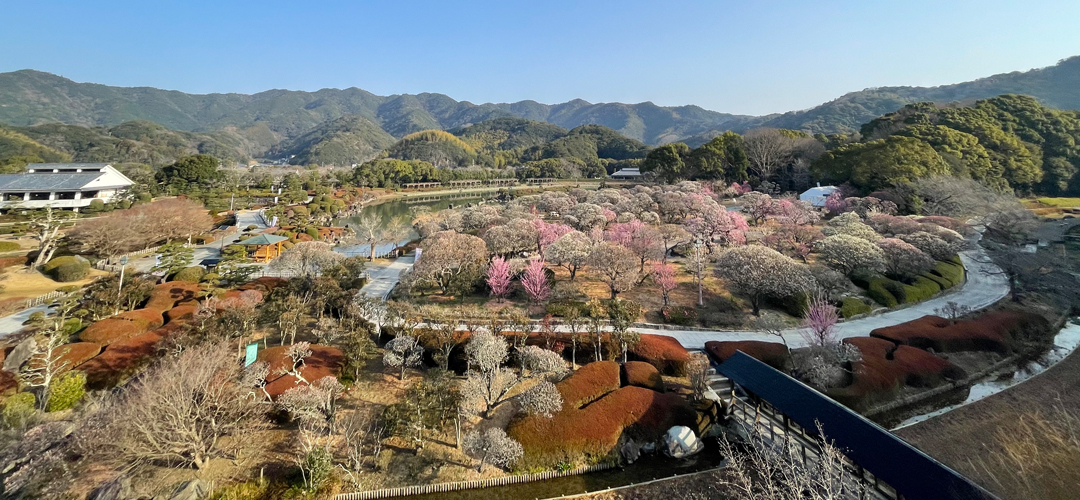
46	181
914	474
262	239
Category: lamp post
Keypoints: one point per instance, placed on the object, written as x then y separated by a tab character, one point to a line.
120	288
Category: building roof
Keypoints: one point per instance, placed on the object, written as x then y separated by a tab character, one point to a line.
65	166
819	191
262	239
627	171
106	177
911	472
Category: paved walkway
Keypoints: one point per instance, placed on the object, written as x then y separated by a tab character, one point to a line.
382	279
14	322
985	285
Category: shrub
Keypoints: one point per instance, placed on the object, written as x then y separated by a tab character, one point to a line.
122	326
952	271
323	361
314	233
318	466
123	358
252	227
920	290
69	288
589	383
193	273
996	331
880	294
853	306
9	246
18	409
96	206
674	315
166	295
663	352
67	268
641	374
897	290
885	368
773	354
66	391
941	281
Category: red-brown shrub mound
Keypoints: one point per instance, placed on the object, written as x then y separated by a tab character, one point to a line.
9	384
180	313
990	332
885	368
75	354
773	354
642	374
166	295
590	383
122	359
593	433
7	262
324	360
663	352
122	326
266	284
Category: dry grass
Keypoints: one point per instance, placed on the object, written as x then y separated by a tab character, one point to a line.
1020	443
18	283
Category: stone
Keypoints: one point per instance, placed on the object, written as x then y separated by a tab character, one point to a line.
680	441
19	355
117	489
190	490
630	451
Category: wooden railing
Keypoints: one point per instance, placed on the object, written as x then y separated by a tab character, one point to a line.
424	489
44	299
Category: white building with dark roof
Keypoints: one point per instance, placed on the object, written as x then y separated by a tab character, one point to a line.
816	195
62	185
627	174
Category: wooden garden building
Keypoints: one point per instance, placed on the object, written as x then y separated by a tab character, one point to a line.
264	247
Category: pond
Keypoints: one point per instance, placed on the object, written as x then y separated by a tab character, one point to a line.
649	467
401	207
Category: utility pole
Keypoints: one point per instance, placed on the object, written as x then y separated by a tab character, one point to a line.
120	288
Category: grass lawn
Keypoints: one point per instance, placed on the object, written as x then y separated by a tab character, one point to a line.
1061	202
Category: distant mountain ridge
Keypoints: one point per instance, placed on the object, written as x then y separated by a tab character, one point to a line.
29	97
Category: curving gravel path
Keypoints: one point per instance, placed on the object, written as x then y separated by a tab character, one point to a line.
985	285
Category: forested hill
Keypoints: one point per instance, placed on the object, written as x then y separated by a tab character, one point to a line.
30	97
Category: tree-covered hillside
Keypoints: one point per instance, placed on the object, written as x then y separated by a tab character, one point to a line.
16	150
344	141
137	142
1009	142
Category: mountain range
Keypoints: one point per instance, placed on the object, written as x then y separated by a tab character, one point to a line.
337	125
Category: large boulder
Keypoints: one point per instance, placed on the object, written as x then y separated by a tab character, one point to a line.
680	441
19	355
194	489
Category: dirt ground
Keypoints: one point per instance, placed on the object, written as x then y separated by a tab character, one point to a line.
962	438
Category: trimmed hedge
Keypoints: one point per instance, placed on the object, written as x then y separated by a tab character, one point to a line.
193	273
66	391
122	326
663	352
952	271
886	368
641	374
994	331
591	382
324	360
67	268
9	246
880	294
166	295
773	354
593	433
942	282
853	306
920	289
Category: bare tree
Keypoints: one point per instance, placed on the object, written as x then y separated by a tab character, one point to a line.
179	413
44	227
360	444
315	403
778	471
492	446
767	149
307	258
616	265
403	353
46	360
697	264
296	353
698	371
488	382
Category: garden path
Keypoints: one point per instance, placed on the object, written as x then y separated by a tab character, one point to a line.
14	322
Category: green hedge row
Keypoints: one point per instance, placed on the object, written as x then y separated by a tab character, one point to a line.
853	306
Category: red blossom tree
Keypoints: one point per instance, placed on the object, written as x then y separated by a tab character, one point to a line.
664	276
548	232
498	277
716	223
835	202
535	281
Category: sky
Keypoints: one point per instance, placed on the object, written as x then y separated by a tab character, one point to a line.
747	57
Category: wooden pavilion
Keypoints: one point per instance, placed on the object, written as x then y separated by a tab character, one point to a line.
264	247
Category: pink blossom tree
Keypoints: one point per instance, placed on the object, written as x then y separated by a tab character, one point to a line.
818	325
741	189
642	239
548	232
535	281
835	202
716	223
795	212
664	276
758	206
498	277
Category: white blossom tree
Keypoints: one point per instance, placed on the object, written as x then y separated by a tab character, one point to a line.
570	251
402	353
848	254
307	258
493	446
759	273
542	399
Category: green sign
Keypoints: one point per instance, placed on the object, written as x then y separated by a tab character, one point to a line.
252	351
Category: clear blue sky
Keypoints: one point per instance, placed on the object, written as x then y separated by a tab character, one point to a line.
750	57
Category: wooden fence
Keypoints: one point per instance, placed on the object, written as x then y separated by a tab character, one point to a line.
44	299
425	489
